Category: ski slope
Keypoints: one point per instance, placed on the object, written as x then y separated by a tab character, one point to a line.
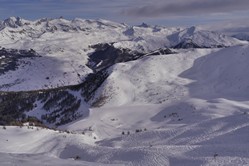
197	139
149	80
189	108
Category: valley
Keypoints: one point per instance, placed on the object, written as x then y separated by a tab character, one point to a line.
105	93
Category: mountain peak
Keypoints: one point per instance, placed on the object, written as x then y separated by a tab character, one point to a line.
14	22
144	25
191	30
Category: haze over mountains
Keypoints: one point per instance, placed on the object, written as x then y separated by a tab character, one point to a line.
122	95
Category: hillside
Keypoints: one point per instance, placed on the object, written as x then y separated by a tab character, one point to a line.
64	47
189	107
96	92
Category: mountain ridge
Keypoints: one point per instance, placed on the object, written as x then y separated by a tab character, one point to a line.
73	53
96	92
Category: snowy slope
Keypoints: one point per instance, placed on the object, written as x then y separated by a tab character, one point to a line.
64	47
64	52
209	133
242	36
43	148
189	108
148	80
221	74
202	38
202	118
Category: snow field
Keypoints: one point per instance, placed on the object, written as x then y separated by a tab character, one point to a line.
189	108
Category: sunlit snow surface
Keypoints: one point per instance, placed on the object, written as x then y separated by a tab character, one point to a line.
189	108
64	47
202	118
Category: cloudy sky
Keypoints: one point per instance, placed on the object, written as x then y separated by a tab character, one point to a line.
134	12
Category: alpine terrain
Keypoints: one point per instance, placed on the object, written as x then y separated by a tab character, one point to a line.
97	92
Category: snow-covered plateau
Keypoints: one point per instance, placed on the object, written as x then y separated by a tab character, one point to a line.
104	93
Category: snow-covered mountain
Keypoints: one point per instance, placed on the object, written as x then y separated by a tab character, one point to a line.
194	38
121	95
64	47
241	36
189	107
201	73
237	28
